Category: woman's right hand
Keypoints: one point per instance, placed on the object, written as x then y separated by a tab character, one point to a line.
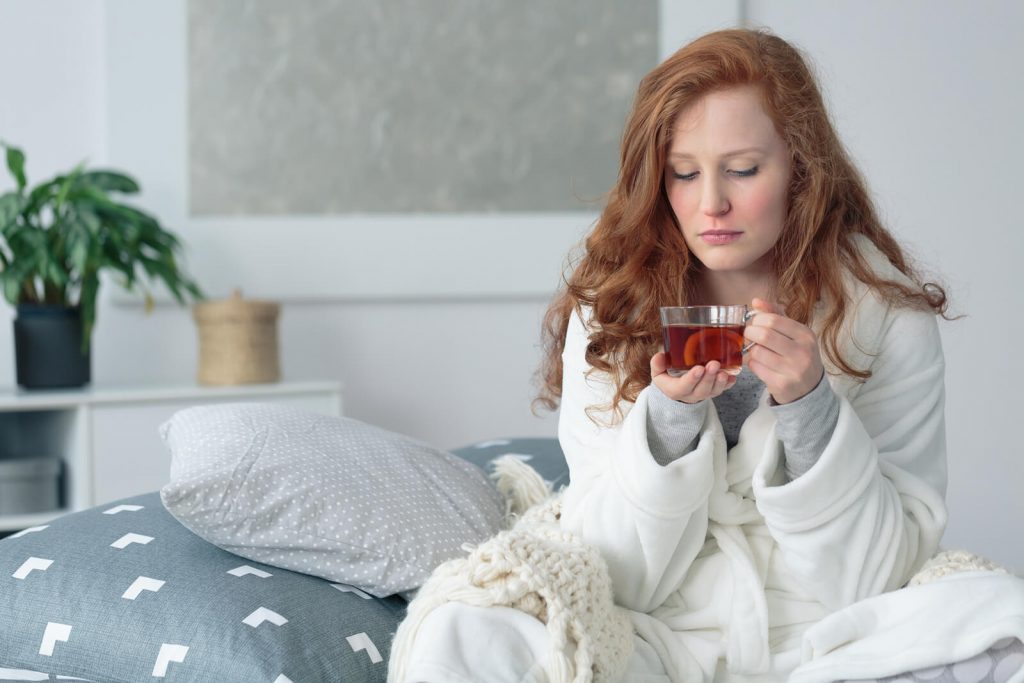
699	382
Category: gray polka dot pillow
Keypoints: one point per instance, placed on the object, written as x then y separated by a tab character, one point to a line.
326	496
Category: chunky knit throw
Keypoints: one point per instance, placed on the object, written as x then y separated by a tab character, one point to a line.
541	569
948	562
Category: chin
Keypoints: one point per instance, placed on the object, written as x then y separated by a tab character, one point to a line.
729	258
720	262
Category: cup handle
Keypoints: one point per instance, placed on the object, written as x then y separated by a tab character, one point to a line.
747	315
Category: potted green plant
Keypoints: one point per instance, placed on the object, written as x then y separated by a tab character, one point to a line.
55	240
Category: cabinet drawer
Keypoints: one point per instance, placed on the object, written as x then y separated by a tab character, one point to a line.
128	456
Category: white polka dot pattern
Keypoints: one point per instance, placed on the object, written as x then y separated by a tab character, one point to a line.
973	670
1011	665
331	497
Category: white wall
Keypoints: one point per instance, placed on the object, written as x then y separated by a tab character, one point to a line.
926	95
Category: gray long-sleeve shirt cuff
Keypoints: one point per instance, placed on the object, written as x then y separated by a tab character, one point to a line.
805	427
672	426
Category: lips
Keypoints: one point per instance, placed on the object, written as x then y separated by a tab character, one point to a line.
720	236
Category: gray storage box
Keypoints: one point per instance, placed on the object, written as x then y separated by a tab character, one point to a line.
29	485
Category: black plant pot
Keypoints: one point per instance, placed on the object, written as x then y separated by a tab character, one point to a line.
48	347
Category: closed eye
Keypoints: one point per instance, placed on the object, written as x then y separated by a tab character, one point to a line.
746	172
742	173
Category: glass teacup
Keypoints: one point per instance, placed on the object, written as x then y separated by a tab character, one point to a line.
697	335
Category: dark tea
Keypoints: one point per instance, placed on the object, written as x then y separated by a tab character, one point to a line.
689	345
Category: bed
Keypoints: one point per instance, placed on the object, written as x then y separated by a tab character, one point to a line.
284	548
153	587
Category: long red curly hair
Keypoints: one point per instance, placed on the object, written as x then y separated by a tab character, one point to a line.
635	259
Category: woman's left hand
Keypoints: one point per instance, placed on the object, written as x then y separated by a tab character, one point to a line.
785	355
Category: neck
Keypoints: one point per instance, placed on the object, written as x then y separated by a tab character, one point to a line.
731	287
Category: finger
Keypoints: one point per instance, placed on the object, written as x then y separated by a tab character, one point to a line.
781	324
771	339
659	363
707	382
692	379
768	359
682	387
768	306
721	382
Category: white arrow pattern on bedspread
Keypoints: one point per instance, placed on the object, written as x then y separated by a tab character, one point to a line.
169	652
128	539
264	614
361	641
28	675
30	530
245	570
345	588
143	583
54	632
122	508
31	563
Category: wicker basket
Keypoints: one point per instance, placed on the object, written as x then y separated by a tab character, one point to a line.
237	341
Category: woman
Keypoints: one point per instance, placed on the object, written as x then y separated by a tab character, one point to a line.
751	523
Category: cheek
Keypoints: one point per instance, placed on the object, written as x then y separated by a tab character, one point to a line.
766	205
683	202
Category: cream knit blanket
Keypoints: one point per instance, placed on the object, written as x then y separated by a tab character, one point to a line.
541	569
552	574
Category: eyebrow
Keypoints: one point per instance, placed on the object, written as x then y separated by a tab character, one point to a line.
734	153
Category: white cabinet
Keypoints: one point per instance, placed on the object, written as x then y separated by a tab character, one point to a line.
108	438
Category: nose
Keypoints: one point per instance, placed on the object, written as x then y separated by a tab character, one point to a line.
713	201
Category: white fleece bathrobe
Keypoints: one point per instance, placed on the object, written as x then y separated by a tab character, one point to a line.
730	572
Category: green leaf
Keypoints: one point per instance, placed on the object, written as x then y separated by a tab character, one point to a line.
122	267
12	287
16	165
40	196
10	208
110	181
76	244
55	273
78	255
19	279
66	184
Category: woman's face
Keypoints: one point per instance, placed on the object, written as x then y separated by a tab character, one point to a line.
727	180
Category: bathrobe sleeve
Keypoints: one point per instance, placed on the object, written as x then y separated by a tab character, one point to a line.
871	510
649	521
